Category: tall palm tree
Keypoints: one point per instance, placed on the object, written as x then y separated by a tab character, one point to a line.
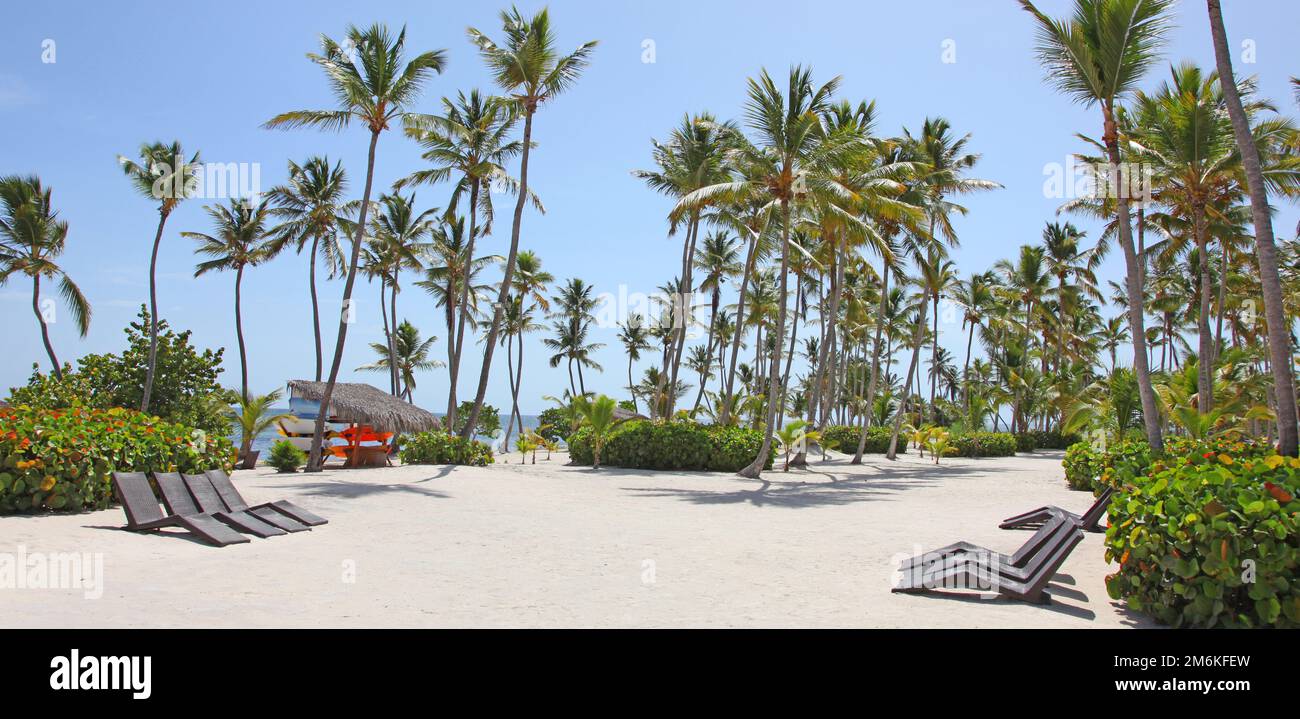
241	240
1097	57
399	232
519	321
411	352
783	168
31	239
1279	330
719	259
451	281
471	138
373	86
164	175
308	208
634	336
528	67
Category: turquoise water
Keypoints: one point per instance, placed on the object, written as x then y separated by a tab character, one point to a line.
270	436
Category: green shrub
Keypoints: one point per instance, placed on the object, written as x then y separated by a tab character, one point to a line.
286	457
642	444
1089	468
438	447
1053	439
552	424
1084	463
983	444
489	419
1026	442
843	438
1209	540
62	459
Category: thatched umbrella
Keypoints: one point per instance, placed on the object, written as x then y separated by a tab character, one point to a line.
362	404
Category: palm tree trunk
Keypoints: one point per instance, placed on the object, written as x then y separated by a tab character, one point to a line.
631	386
918	335
504	293
755	468
453	364
789	358
686	305
879	326
1222	299
934	361
153	316
750	259
1279	344
388	333
826	361
713	318
315	305
514	390
1205	363
45	330
392	337
1133	285
313	458
239	335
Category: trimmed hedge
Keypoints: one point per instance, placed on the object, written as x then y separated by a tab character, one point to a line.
983	444
1209	540
1049	439
62	459
677	444
843	438
437	447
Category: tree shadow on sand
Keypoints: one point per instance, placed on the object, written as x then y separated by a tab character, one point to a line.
354	490
794	490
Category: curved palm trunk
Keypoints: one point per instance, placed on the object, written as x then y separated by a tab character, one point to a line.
1279	343
774	377
503	294
514	389
314	457
453	365
315	304
45	330
1133	286
631	386
153	315
239	335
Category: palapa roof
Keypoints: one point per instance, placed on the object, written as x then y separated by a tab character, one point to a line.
364	404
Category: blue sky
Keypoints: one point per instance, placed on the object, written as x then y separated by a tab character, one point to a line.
210	74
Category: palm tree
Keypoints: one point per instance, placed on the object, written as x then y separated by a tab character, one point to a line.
163	175
1279	330
1097	57
598	415
241	240
782	169
471	139
530	292
31	239
398	232
255	416
632	333
527	67
719	259
412	355
451	278
372	86
308	208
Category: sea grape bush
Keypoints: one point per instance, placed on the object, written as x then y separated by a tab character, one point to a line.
673	445
62	459
437	447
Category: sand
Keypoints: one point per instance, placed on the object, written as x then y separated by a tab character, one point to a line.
549	545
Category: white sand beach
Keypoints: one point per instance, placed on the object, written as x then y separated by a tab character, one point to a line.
550	545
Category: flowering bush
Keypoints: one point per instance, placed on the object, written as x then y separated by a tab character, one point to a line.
62	459
1209	539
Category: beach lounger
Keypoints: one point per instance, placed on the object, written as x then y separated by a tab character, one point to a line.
208	500
1019	558
1088	521
233	499
144	515
1027	585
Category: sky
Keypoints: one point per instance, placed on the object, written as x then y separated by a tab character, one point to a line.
209	75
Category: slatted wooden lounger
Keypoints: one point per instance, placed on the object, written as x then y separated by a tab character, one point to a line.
1027	584
144	515
1019	558
208	501
1088	521
233	499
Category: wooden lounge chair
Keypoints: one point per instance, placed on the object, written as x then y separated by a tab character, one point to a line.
1026	585
144	515
1019	558
208	500
1089	521
235	501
